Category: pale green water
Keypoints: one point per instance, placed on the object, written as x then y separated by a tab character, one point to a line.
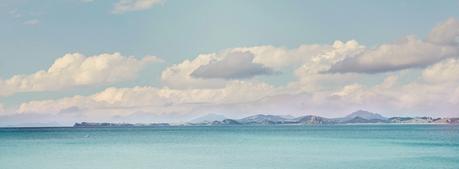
235	147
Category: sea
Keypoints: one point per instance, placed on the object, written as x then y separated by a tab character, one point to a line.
232	147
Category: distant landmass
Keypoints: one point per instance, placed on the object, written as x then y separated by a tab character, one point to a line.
358	117
209	118
89	124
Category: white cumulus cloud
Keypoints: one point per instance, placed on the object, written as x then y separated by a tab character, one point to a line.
408	52
237	65
221	67
179	75
445	33
75	69
443	72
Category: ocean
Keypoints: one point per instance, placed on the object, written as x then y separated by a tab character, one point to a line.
232	147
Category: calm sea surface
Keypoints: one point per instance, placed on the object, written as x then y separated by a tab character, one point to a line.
232	147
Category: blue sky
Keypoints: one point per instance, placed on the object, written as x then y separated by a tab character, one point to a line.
36	33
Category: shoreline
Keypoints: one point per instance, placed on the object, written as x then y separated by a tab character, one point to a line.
255	125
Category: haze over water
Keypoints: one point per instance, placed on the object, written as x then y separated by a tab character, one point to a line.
229	147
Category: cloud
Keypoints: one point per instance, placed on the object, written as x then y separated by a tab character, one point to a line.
420	96
75	69
440	97
445	33
310	76
253	61
329	79
31	22
125	101
123	6
237	65
280	57
178	76
375	96
239	98
446	71
408	52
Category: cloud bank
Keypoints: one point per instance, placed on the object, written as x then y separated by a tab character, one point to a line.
408	52
75	69
410	76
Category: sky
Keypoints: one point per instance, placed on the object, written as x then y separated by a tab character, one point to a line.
171	61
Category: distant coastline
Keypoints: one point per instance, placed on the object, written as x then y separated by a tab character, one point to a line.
356	118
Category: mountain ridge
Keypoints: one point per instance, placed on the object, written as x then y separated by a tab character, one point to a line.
357	117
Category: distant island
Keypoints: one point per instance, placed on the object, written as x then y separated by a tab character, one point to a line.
91	124
358	117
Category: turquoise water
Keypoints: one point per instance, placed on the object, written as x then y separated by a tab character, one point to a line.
232	147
